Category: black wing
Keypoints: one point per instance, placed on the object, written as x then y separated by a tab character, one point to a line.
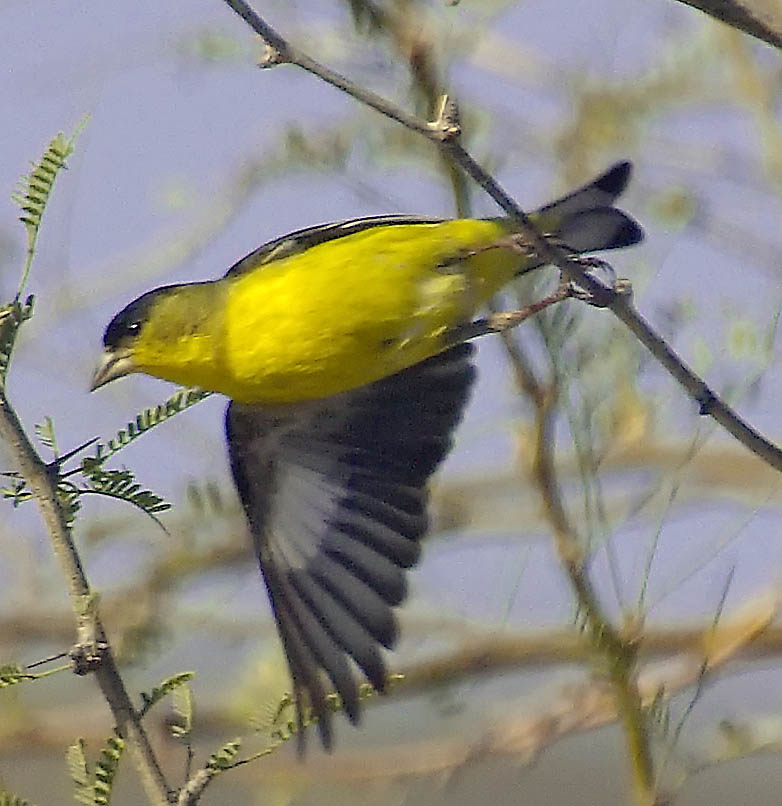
296	242
335	494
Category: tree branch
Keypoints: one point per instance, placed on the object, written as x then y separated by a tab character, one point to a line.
91	635
759	18
617	654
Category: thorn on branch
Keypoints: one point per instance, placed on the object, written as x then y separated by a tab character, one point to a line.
706	400
446	125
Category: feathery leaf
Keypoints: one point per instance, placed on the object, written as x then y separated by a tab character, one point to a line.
7	799
34	192
223	758
79	772
45	433
106	769
182	703
12	673
160	691
122	485
145	420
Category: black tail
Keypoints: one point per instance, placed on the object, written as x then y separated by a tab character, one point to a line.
586	219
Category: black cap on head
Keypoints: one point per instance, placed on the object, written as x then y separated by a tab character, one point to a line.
128	322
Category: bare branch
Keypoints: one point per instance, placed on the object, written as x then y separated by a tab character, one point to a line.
575	708
93	646
759	18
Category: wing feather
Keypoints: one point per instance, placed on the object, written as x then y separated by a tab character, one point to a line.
335	495
345	628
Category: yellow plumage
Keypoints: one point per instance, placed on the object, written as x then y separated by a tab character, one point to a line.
355	309
337	307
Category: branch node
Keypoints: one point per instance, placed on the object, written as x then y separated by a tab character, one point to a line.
88	653
446	126
706	400
520	244
623	288
272	55
603	291
87	656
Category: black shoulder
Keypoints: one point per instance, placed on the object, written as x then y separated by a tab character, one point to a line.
296	242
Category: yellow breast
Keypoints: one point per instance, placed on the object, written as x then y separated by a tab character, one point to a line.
350	311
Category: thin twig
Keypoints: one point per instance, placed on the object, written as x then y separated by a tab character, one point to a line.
191	792
42	485
619	654
622	307
445	132
503	321
574	709
279	51
760	19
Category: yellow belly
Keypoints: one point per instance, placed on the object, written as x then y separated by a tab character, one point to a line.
356	309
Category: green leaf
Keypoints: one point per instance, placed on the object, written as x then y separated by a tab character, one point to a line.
68	496
12	317
35	190
11	674
80	774
18	493
122	485
46	435
145	421
160	691
106	769
182	697
224	757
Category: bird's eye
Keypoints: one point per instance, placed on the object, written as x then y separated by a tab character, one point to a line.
133	327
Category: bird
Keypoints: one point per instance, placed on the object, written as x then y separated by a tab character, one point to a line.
341	348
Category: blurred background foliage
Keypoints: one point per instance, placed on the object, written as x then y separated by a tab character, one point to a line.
191	159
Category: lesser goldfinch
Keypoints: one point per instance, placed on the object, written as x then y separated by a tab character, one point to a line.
338	346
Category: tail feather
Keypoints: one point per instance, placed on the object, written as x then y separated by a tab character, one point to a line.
600	192
586	219
599	228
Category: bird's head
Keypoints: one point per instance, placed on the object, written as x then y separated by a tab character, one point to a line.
167	333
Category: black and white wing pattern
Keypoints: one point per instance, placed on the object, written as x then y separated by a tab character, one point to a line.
335	495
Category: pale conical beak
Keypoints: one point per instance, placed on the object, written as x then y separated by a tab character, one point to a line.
112	365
